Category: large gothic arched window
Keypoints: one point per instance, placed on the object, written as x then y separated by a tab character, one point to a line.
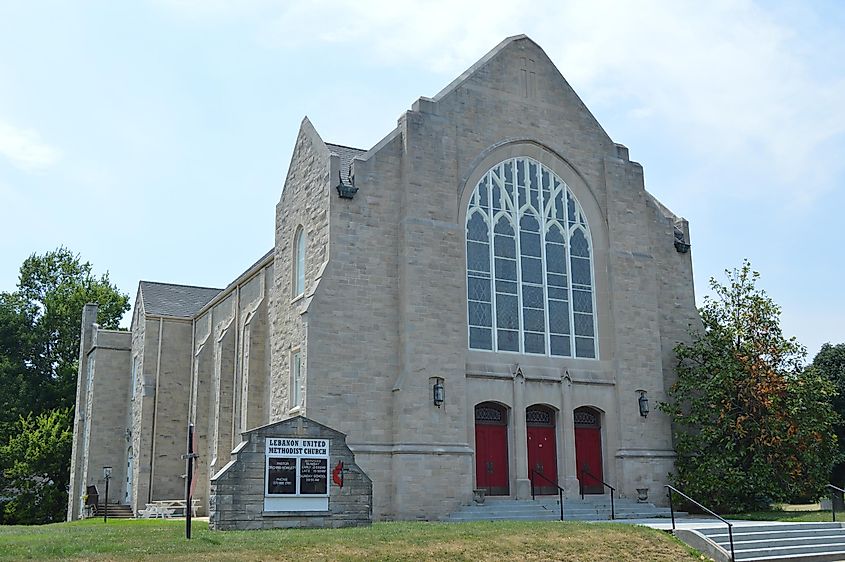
529	264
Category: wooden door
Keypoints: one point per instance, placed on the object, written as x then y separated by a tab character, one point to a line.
588	451
491	449
542	449
542	459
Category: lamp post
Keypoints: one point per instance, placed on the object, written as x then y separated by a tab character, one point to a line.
106	477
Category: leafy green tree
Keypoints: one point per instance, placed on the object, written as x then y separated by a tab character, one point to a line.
35	468
830	362
751	424
39	352
57	285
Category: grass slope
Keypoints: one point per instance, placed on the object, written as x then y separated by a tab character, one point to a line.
489	541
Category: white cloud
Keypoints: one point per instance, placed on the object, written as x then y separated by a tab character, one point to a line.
25	149
736	85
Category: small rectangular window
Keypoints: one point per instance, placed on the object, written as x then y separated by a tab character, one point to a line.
295	379
134	377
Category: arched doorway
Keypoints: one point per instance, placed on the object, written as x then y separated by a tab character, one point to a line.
588	456
127	499
542	448
491	449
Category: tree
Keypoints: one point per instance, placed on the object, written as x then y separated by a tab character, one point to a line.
39	352
751	424
830	362
35	468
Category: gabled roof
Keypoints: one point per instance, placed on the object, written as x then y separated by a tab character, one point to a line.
167	299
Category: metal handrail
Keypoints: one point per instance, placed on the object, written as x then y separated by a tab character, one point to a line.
612	489
713	513
555	484
832	499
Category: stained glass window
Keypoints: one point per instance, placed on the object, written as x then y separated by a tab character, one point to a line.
529	264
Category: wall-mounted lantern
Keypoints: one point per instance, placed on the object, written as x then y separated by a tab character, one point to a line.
438	392
643	403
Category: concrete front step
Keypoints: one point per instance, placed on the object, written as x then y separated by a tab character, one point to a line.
793	542
546	510
115	511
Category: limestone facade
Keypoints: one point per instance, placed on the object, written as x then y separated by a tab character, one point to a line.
383	313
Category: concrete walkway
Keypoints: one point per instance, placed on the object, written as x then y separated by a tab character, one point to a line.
665	524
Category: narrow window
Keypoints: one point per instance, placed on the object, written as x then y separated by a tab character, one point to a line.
134	377
295	379
299	263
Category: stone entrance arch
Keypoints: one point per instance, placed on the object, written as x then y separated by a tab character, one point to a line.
542	448
588	450
491	449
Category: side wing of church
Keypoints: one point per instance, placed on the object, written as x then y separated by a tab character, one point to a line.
481	301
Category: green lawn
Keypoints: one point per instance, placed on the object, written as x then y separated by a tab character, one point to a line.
491	541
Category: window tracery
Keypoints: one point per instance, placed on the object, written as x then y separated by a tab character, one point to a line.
530	282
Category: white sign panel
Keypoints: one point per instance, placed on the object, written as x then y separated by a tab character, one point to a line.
296	475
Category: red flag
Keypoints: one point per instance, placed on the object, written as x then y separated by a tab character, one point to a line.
337	474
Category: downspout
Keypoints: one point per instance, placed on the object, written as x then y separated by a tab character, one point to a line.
236	390
191	399
155	413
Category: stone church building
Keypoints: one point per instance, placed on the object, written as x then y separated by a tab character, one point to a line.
485	298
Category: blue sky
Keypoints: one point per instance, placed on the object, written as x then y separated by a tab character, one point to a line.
153	137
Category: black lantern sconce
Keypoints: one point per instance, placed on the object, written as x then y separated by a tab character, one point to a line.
643	402
438	392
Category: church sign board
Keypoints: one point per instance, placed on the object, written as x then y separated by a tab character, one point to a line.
278	477
296	474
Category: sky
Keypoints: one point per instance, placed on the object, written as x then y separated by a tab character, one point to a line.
153	138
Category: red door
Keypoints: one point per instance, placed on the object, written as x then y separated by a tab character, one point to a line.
491	449
588	457
542	459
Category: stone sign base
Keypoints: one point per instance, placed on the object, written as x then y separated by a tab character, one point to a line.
302	491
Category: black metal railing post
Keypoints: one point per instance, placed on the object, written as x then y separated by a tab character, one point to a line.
603	483
552	482
711	512
612	508
833	499
731	538
671	509
560	499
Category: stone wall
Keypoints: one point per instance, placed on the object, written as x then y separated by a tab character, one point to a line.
387	313
172	392
100	437
237	491
231	370
77	484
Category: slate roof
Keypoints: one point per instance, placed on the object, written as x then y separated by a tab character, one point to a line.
346	153
167	299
